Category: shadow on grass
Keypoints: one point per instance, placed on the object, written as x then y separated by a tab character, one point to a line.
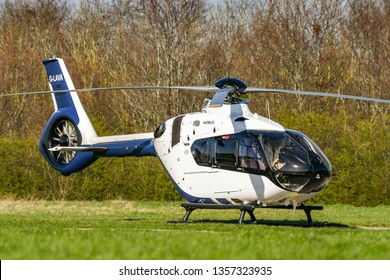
298	223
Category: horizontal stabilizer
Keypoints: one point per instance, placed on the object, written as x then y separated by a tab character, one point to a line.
78	149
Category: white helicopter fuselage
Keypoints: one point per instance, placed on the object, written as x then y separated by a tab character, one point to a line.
223	154
211	184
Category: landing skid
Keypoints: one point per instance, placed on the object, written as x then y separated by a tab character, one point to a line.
190	207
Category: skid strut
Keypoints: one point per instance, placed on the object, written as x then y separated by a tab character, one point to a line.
190	207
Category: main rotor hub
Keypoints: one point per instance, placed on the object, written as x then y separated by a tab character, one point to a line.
235	83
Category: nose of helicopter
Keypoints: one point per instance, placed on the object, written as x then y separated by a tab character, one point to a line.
320	169
318	178
298	164
311	181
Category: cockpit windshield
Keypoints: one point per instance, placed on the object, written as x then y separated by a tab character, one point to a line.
284	153
311	146
297	162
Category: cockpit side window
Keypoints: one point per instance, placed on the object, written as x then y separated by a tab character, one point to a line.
250	155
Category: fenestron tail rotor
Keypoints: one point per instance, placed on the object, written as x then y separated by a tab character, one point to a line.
63	133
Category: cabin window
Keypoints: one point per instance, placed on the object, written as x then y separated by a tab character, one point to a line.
240	152
226	152
201	151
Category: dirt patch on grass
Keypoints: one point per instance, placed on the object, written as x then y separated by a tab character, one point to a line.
373	228
80	207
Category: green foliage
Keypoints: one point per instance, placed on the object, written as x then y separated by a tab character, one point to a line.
124	178
21	169
358	150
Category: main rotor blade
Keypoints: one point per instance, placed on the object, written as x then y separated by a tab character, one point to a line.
194	88
211	89
312	93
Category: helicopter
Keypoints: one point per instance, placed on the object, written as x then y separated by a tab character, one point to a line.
222	157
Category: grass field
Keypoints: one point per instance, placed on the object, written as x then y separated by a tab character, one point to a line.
140	230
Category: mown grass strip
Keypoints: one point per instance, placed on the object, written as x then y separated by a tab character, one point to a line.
140	230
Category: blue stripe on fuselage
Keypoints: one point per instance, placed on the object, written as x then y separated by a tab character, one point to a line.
138	148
